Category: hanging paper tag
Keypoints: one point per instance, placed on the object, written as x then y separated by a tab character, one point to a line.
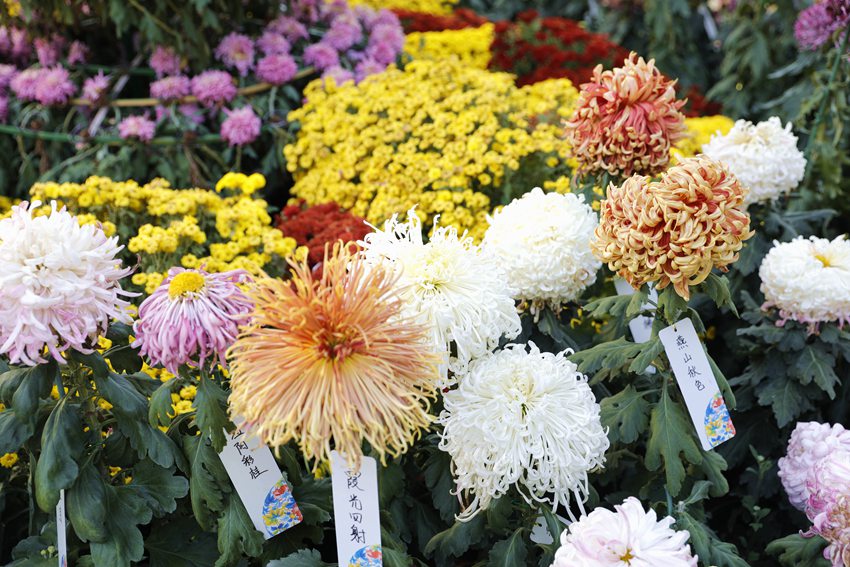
696	381
261	487
540	532
640	326
61	542
356	512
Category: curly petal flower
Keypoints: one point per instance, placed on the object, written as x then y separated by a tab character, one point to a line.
626	120
237	51
808	280
526	419
459	290
764	157
675	230
828	506
331	361
192	318
543	242
809	443
59	284
626	537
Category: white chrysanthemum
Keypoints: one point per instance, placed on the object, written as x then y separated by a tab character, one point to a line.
523	419
58	284
809	443
629	537
450	283
543	241
808	280
764	157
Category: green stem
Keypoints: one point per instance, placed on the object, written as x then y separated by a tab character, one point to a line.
669	501
59	387
823	103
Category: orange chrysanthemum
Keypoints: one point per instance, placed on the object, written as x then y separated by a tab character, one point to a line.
674	230
626	120
329	362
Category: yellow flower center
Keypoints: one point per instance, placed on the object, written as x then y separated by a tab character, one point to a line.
823	260
627	557
185	282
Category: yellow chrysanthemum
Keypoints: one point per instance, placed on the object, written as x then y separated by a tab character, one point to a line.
469	45
329	362
8	460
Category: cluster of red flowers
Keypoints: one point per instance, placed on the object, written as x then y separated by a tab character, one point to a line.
316	226
421	22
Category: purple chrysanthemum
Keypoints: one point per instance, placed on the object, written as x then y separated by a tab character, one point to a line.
276	69
77	53
139	127
813	27
192	318
211	87
20	45
368	67
54	86
24	83
6	74
171	88
237	51
164	61
340	75
241	126
321	56
290	28
47	52
94	87
385	43
343	34
272	43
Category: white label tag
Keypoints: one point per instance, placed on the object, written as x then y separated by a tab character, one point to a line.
540	532
61	541
696	381
356	512
640	326
261	487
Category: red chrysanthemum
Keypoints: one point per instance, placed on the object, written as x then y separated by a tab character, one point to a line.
626	120
316	226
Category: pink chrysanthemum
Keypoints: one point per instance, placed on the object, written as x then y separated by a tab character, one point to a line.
24	83
339	74
813	27
54	86
276	69
94	87
211	87
46	51
385	43
828	506
77	53
368	67
289	27
321	56
164	61
343	34
237	51
273	43
192	318
139	127
626	120
810	442
59	284
7	72
171	88
241	126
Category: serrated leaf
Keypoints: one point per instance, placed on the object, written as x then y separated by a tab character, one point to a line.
158	487
786	398
713	465
124	544
180	543
671	304
710	550
301	558
798	551
509	552
815	364
438	479
717	288
160	404
456	540
610	355
62	442
650	351
211	411
208	481
671	438
625	414
699	492
315	499
549	325
237	534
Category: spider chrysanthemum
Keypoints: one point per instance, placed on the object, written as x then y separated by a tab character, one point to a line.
330	361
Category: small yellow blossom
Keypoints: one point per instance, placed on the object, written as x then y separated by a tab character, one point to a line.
8	460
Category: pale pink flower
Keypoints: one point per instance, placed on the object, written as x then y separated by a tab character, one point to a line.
139	127
241	126
237	51
171	88
164	61
272	43
59	284
24	83
77	53
192	318
211	87
828	507
276	69
810	442
95	87
54	86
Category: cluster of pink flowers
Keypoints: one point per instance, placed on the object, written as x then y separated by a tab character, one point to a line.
815	473
139	127
45	85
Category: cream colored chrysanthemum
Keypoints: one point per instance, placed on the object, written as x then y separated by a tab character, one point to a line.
542	240
457	289
808	280
526	419
764	157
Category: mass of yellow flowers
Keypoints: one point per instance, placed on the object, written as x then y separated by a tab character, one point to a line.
439	135
469	45
221	230
441	7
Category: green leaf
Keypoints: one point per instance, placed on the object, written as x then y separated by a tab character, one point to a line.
625	414
650	351
610	355
713	465
180	543
211	414
620	306
717	288
158	487
22	388
84	503
671	435
710	550
301	558
124	544
62	442
798	551
438	478
699	492
237	534
814	363
208	481
671	304
509	552
14	432
315	499
549	325
456	540
160	404
787	398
